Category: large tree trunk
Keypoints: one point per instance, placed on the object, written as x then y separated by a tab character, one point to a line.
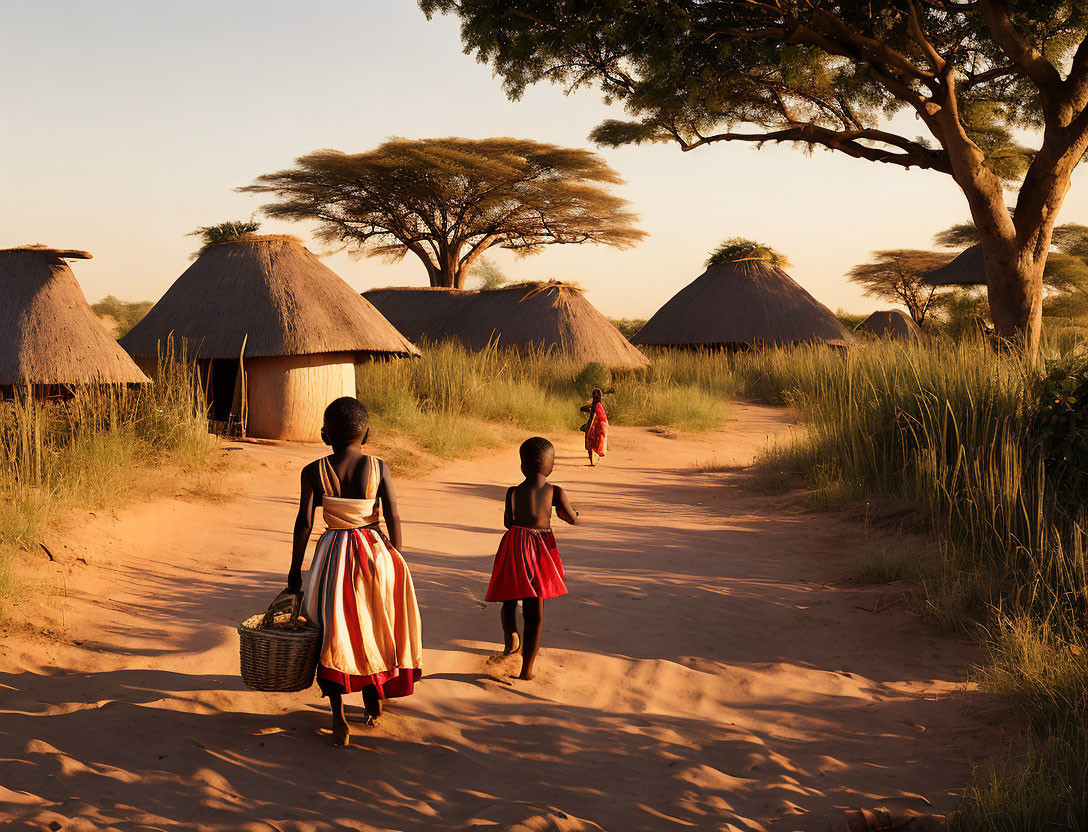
449	276
1014	284
449	272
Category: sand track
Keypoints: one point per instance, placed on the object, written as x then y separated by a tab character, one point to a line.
708	670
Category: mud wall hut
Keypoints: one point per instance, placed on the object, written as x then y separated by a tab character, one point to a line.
550	316
742	304
50	338
275	331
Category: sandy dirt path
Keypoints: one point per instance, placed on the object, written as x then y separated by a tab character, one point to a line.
708	670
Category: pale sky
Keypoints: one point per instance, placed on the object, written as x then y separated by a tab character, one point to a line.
127	124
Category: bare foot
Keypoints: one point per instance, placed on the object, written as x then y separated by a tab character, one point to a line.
372	703
341	733
526	673
513	644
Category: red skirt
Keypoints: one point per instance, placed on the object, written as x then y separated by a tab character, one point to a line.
527	565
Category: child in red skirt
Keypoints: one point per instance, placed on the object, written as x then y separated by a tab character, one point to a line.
527	566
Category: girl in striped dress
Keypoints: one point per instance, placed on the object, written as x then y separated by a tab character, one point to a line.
359	589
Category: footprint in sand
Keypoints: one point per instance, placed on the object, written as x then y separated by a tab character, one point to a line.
501	667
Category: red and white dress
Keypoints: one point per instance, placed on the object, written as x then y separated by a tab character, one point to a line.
597	433
359	591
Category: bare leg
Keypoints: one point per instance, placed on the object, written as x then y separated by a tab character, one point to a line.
510	627
372	702
341	734
532	609
591	457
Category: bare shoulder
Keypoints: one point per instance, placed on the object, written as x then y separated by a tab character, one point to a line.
311	475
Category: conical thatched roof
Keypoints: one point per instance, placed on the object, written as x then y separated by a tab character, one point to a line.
966	269
742	303
548	315
891	323
48	333
271	293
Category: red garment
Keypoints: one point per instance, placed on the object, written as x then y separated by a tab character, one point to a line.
597	434
527	565
389	684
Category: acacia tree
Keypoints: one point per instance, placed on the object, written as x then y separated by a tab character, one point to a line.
897	275
449	200
830	73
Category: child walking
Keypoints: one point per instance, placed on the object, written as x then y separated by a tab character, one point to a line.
596	427
527	565
359	589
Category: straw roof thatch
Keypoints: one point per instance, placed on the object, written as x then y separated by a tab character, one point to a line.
966	269
270	293
550	315
48	333
742	303
891	323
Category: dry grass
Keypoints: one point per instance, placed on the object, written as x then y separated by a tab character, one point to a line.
897	559
454	401
101	450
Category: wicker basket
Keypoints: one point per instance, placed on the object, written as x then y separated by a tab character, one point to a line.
278	650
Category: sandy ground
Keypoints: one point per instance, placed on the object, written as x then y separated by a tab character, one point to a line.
709	670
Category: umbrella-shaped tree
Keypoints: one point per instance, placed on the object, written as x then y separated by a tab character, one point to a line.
447	201
898	275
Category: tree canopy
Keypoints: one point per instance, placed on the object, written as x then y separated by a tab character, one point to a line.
120	316
739	248
449	200
896	275
977	76
488	275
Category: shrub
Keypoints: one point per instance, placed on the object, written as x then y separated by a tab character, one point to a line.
593	375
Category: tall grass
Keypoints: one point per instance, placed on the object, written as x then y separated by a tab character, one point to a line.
453	400
950	428
93	451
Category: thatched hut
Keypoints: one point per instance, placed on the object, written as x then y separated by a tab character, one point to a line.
968	268
50	339
891	323
276	333
741	304
548	316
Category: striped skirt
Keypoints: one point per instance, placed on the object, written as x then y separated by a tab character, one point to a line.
360	592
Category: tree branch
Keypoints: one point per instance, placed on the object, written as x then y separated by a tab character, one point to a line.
915	27
1043	73
846	141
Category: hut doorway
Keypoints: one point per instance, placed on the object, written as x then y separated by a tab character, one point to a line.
220	384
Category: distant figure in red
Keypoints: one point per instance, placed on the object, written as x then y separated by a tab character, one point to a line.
527	566
597	426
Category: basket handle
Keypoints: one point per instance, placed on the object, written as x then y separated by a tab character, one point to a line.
286	599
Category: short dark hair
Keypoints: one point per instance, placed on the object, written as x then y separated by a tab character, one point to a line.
346	419
536	450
